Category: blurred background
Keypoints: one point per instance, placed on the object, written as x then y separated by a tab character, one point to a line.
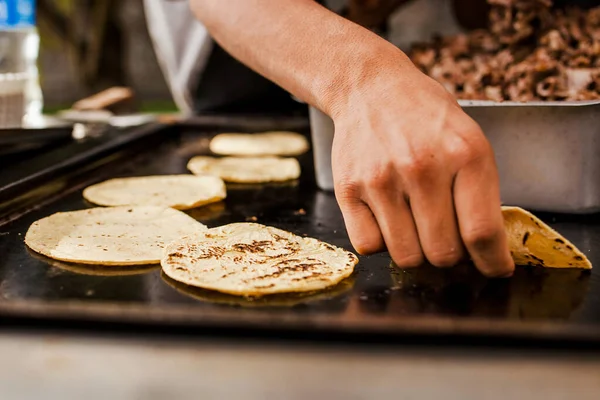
89	45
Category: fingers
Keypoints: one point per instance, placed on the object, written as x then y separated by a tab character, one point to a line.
360	223
481	225
397	226
453	205
440	222
433	210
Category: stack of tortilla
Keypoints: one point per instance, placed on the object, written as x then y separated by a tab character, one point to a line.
252	158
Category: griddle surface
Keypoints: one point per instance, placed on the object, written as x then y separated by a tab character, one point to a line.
377	299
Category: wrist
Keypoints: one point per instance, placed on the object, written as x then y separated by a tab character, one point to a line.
370	69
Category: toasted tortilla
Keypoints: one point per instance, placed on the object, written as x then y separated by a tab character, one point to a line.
259	144
246	169
250	259
181	192
534	243
275	300
110	236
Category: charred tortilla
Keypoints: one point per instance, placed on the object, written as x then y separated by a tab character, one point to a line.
275	300
534	243
250	259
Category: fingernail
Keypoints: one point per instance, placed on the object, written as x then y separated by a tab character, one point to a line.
508	275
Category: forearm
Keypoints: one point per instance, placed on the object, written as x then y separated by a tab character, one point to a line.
308	50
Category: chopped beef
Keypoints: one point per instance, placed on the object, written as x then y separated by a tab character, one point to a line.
530	52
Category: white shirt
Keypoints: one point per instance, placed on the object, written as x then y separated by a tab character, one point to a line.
183	45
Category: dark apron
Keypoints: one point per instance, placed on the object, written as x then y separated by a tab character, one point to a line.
228	86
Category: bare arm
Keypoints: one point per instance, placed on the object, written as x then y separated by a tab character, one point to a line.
308	50
412	171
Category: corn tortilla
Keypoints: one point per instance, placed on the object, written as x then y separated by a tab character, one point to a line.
250	259
246	169
534	243
259	144
110	236
181	192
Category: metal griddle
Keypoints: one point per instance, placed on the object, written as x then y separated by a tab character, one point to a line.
379	300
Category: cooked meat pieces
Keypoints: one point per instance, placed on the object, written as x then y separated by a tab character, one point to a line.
530	52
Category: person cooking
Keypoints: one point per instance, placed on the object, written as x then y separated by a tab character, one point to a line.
413	173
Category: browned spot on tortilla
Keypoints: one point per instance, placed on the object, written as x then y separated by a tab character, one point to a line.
265	286
254	247
291	265
318	275
212	252
537	259
278	237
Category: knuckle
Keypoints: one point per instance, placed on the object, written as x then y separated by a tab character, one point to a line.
444	258
463	150
417	166
378	179
346	189
467	150
471	148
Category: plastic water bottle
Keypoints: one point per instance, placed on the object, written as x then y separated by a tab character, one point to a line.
19	49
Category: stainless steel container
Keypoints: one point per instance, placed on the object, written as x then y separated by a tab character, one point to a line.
548	153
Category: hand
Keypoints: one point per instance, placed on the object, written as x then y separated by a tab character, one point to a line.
415	174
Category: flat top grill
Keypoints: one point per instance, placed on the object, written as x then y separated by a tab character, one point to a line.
379	300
